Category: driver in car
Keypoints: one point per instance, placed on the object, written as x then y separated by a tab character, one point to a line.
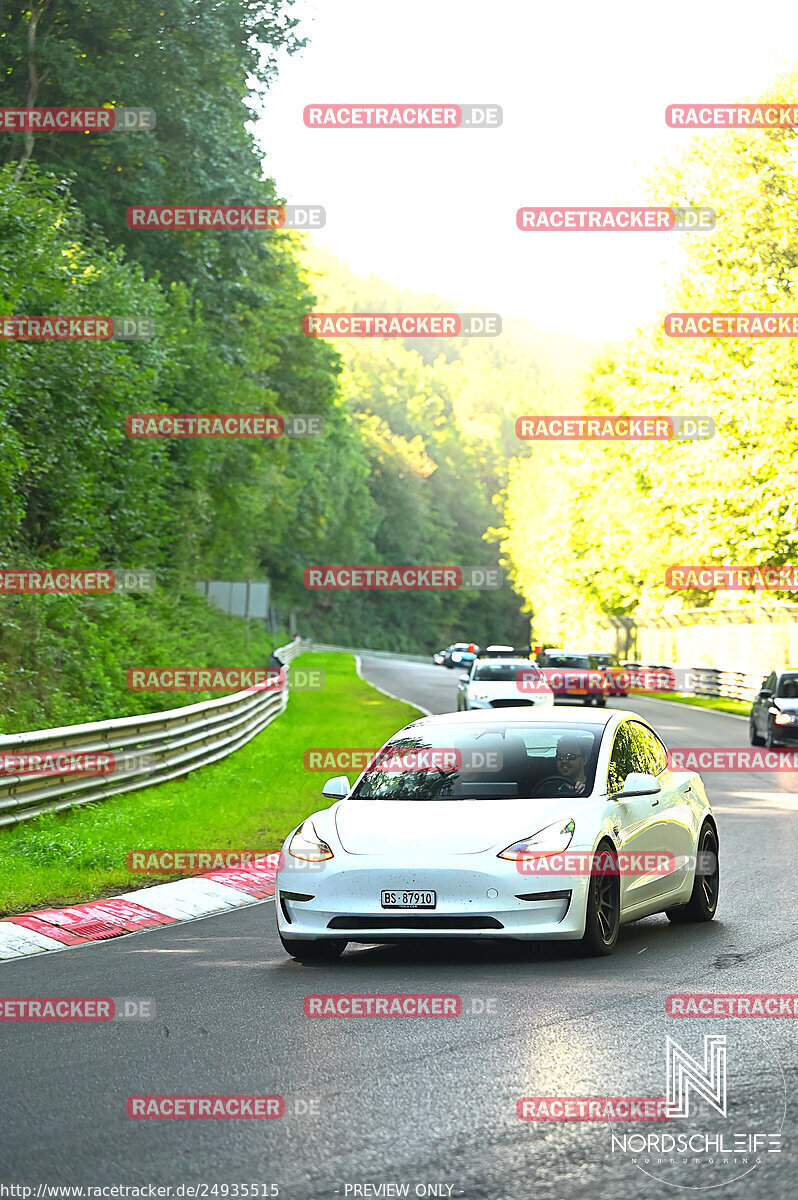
571	759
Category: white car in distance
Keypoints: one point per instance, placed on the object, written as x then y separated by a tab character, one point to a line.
503	683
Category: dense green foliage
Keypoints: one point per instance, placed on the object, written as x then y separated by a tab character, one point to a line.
608	519
416	436
250	800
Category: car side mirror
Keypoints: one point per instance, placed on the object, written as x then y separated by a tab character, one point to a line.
764	694
464	678
637	783
336	788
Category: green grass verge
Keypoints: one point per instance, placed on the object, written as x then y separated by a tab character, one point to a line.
719	703
251	799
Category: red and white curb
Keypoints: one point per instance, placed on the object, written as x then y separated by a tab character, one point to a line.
162	904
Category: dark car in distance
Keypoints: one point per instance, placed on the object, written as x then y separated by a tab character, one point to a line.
774	712
459	654
572	675
616	673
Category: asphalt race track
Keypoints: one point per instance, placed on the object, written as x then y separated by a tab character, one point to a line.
418	1102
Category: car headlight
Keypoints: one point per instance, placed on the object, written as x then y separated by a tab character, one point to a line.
784	718
551	840
307	844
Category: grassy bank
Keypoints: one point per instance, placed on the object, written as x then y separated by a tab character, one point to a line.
251	799
64	658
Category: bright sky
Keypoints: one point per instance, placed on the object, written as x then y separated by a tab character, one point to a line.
584	86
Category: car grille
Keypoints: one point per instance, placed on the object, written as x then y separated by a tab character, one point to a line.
510	703
414	921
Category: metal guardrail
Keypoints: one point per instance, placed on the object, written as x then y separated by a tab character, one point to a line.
712	681
147	749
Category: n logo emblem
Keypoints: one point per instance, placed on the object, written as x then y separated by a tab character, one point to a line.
684	1073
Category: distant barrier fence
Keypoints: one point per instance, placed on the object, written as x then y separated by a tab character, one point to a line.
146	749
709	681
755	637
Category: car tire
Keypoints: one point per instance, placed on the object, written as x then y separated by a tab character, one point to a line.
770	741
603	916
320	950
703	902
601	702
754	738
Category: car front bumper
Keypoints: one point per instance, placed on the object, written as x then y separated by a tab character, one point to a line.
344	902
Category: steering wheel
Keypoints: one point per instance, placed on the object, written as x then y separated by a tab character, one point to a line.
563	782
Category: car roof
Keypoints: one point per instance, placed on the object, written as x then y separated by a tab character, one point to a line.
526	715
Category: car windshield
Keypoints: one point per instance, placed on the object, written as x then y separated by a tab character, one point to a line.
460	646
605	660
567	660
788	687
484	762
506	670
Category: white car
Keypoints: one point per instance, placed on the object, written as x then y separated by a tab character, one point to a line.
503	683
436	838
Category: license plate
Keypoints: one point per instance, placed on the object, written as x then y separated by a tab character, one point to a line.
409	899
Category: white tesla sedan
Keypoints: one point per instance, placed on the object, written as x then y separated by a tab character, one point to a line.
528	823
503	683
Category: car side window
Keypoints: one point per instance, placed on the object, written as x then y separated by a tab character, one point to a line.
621	759
649	751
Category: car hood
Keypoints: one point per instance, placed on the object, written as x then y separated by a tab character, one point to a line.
436	828
785	704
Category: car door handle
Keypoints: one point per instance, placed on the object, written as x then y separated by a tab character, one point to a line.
654	803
